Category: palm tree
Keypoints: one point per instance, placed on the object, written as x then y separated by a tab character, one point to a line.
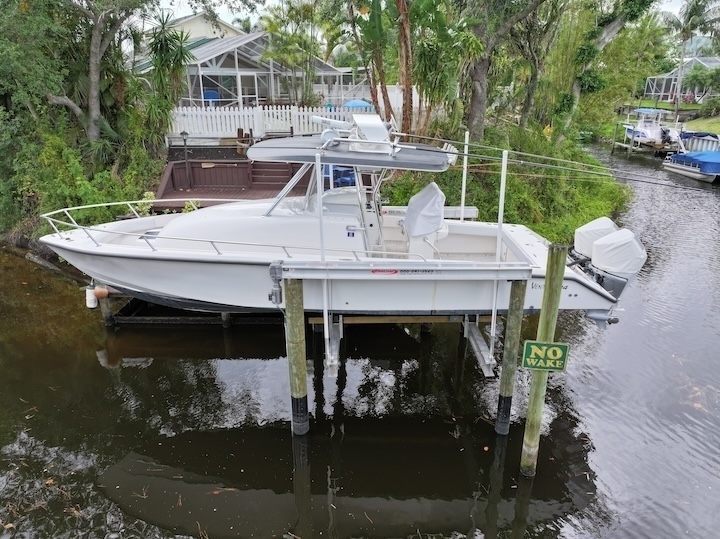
244	23
696	17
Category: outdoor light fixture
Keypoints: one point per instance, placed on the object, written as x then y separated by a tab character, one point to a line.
184	136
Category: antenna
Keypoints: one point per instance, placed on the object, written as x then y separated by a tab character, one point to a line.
328	136
332	124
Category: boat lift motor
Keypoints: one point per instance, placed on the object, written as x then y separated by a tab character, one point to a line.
276	274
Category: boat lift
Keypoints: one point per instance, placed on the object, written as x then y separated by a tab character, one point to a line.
329	272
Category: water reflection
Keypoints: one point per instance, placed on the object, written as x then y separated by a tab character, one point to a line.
157	432
628	448
367	469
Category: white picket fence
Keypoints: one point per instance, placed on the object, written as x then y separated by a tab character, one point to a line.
211	123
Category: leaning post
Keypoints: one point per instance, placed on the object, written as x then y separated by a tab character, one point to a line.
510	356
296	351
557	257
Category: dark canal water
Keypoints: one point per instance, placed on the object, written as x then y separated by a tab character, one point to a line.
184	432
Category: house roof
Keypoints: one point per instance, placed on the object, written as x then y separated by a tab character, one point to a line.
710	62
145	64
252	46
253	43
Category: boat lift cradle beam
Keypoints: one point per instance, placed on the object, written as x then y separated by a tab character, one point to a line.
339	271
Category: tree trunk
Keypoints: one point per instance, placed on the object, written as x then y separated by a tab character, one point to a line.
373	88
101	37
481	68
478	98
94	114
380	70
426	122
575	93
405	60
532	87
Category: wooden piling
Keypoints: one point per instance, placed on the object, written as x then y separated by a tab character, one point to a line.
107	312
557	257
510	356
296	351
612	150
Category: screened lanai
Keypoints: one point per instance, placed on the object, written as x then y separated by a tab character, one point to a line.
231	72
664	87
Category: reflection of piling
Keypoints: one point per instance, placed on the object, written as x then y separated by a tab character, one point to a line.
557	256
522	507
459	368
318	377
510	356
295	345
495	490
301	486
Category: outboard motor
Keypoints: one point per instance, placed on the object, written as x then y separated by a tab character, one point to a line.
665	135
612	256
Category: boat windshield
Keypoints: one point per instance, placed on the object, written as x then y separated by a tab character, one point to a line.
335	179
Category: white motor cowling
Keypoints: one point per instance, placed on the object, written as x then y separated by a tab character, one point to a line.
587	234
611	255
619	253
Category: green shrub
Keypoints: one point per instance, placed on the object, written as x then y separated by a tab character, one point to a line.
552	202
710	108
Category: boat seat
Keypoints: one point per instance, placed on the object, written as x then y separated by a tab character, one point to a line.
424	224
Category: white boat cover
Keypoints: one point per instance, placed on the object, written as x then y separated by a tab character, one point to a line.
587	234
619	253
425	211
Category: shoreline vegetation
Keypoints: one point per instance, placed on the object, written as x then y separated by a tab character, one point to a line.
553	203
82	126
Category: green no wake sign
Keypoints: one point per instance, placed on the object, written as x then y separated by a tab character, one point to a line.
545	356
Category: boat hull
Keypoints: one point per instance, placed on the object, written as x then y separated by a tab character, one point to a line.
703	165
233	283
690	172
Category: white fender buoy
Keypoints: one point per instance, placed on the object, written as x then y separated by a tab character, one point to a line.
90	300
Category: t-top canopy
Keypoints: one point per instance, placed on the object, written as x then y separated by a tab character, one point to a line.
352	151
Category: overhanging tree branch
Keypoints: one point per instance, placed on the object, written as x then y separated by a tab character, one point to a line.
67	102
505	28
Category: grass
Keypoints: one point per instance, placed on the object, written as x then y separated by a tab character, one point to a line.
650	103
711	125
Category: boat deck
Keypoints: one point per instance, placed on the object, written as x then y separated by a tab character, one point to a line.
224	179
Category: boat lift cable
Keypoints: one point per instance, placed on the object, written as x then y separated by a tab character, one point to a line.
602	172
596	178
587	168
